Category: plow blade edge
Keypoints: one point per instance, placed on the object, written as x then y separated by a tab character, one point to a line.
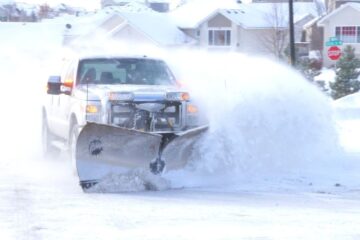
103	149
178	152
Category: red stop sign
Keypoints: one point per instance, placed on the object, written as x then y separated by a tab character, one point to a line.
334	52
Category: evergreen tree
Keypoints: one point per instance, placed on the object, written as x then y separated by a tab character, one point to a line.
347	73
308	68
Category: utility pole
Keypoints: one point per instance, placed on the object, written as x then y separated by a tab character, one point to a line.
291	33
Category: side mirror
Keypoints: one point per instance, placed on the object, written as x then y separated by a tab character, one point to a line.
54	85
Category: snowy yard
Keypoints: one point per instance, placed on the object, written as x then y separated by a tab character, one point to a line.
277	163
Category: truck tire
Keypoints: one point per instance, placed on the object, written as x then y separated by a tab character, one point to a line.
73	135
48	150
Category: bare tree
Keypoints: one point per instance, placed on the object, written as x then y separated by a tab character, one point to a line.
45	11
319	7
275	40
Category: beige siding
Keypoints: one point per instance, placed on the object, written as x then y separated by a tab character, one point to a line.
253	41
250	41
346	17
219	21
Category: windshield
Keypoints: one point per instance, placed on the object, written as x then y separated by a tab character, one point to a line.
124	71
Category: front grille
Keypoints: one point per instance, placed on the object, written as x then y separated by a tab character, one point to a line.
140	116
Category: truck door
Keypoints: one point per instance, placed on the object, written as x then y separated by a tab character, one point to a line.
62	102
66	100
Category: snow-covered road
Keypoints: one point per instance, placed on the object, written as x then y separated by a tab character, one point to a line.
48	204
279	173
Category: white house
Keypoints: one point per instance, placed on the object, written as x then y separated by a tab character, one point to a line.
132	27
342	24
257	28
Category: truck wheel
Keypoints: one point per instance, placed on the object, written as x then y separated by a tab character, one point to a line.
48	150
74	134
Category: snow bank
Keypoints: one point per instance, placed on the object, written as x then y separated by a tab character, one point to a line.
347	111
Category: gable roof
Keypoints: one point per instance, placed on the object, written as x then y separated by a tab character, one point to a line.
355	6
158	27
242	18
193	13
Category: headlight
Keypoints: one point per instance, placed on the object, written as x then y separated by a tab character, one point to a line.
192	108
121	96
177	96
91	108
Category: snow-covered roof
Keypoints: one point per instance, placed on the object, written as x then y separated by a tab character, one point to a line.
355	6
192	14
252	15
157	26
300	8
241	16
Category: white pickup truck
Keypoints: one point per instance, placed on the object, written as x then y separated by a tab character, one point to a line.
137	93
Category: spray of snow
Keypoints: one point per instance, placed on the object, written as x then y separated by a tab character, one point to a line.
265	119
133	181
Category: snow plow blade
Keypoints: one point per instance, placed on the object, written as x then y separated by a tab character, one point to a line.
103	149
178	152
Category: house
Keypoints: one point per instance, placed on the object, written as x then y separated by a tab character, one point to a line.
134	27
341	24
257	28
156	5
331	5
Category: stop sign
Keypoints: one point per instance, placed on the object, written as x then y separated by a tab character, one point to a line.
334	52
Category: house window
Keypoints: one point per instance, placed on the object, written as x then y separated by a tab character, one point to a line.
348	34
219	37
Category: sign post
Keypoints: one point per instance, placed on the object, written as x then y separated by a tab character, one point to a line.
334	52
333	41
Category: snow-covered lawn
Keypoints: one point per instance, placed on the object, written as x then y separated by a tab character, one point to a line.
271	167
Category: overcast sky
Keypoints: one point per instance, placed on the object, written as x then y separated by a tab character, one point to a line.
88	4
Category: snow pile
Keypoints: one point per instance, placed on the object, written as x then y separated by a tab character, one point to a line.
132	181
348	116
265	119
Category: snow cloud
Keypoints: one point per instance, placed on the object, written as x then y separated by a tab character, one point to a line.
265	119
